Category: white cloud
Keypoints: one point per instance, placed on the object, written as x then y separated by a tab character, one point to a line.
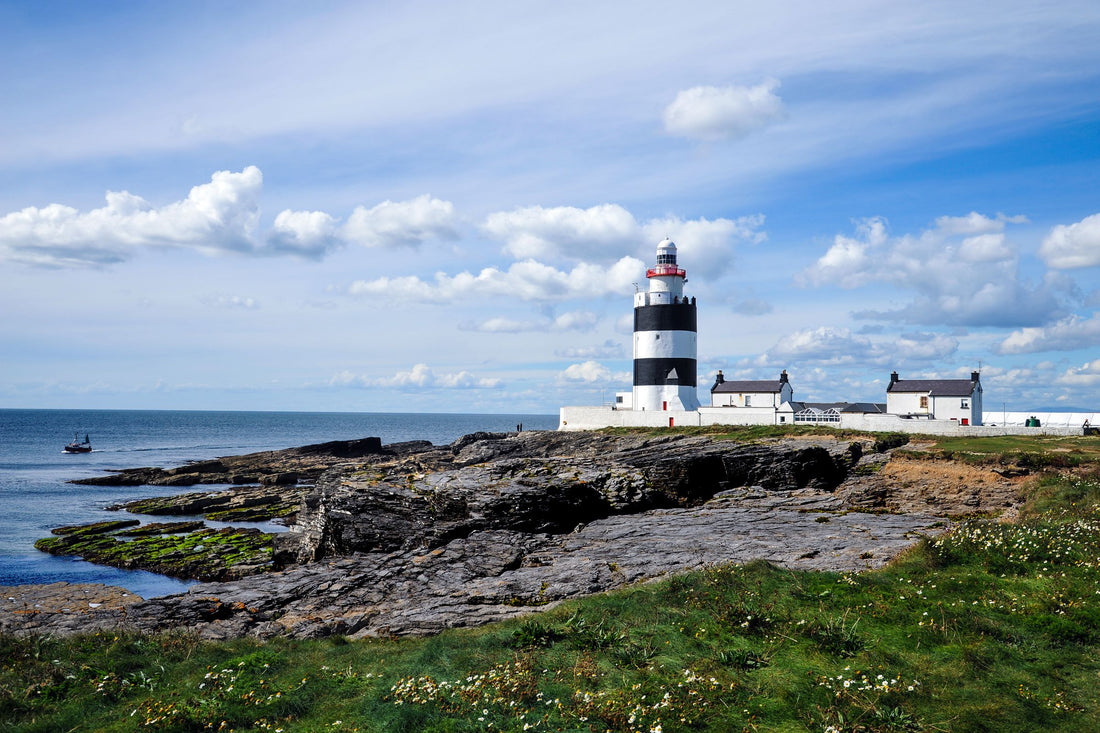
1086	375
972	223
573	321
421	376
592	372
828	344
576	321
958	280
704	247
604	233
918	347
306	233
835	346
985	248
235	301
847	263
218	216
402	223
528	280
601	233
596	233
1073	246
501	325
722	113
1068	334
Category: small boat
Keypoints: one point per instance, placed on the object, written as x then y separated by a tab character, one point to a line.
77	447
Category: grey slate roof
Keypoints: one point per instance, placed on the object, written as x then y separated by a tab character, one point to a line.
750	385
857	407
935	387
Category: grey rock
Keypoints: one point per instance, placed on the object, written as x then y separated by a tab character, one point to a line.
498	525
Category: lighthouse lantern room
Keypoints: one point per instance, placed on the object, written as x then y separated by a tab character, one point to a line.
665	338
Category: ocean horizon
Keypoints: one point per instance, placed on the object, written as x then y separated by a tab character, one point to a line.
36	496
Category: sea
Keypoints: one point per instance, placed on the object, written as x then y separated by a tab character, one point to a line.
36	496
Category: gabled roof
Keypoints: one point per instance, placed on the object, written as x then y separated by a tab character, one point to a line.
935	387
857	407
750	385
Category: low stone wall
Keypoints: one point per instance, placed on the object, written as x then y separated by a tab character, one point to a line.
594	418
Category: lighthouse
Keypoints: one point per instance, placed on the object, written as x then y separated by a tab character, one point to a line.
664	338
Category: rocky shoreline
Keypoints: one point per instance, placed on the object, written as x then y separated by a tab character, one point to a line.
414	538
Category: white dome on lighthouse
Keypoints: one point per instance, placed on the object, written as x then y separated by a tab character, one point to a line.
666	252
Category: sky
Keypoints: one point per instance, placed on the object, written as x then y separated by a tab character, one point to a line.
447	207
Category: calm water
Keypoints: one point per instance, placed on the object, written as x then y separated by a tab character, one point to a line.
34	471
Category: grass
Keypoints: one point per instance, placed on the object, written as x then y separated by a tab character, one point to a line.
993	628
1032	452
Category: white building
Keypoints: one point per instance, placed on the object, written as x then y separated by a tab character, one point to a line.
936	399
751	392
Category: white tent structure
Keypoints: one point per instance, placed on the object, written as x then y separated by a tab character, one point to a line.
1046	419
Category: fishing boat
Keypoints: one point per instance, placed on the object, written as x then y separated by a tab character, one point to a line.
77	447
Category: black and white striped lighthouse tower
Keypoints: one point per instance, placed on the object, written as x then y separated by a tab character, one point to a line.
665	338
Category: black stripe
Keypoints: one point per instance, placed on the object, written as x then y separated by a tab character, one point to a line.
676	317
654	372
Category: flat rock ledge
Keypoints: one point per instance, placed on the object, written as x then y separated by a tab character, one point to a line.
415	539
499	574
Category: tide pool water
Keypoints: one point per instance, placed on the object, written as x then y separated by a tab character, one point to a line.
35	495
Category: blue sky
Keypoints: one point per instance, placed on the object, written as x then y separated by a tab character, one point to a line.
445	206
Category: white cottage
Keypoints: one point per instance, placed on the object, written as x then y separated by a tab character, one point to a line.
768	393
936	399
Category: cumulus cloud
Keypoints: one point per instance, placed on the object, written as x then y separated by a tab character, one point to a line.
564	231
723	113
962	271
307	233
575	321
421	376
1068	334
215	217
1086	375
527	280
402	223
593	372
704	247
603	233
834	346
1073	246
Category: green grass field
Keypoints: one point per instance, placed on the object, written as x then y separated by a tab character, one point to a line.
995	628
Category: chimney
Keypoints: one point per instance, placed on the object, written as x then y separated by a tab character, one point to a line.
974	376
718	380
894	377
783	377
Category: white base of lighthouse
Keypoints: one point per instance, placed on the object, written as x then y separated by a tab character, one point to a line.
665	397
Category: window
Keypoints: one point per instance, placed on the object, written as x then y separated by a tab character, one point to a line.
924	403
965	404
748	401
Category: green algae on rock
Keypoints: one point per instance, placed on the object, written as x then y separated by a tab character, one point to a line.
200	554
